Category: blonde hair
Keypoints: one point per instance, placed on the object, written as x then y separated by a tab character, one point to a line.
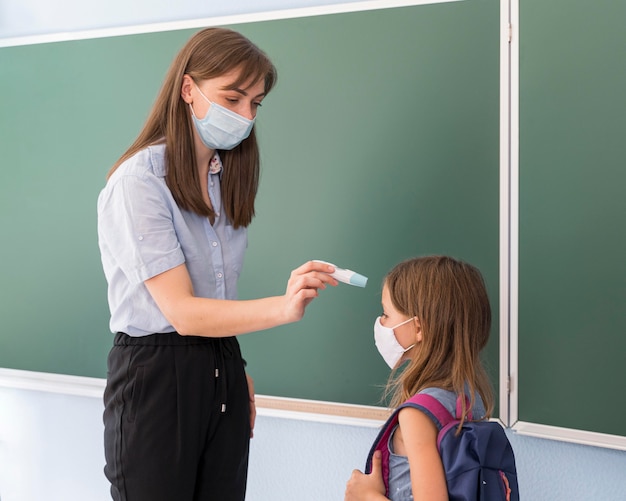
210	53
450	300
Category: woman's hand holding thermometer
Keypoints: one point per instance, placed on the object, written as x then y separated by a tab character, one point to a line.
346	276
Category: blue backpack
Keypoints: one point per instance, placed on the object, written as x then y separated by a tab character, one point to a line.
478	462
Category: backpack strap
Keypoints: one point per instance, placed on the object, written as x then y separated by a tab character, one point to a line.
380	444
436	410
432	407
428	404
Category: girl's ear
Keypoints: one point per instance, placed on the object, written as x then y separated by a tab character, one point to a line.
418	330
186	88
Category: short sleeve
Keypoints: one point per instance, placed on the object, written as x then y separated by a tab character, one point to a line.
135	226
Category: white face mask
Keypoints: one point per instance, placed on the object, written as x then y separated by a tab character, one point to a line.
221	129
387	344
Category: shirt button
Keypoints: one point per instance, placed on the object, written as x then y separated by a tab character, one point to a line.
140	237
214	244
219	275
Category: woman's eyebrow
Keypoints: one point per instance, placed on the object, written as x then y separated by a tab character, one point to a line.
243	92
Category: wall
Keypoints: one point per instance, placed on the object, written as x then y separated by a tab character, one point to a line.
50	449
34	21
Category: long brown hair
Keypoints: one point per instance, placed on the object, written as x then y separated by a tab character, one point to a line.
450	300
210	53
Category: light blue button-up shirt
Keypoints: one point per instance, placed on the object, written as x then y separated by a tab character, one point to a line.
142	233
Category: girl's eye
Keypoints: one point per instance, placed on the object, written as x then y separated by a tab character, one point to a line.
258	105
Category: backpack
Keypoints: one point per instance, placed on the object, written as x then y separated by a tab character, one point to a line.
478	463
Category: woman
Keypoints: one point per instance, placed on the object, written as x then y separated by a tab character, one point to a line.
172	229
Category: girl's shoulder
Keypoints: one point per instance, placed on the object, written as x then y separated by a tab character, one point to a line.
448	400
445	397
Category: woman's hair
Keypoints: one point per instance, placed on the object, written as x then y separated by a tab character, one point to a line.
210	53
449	298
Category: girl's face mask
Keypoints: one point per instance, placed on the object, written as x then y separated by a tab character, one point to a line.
387	344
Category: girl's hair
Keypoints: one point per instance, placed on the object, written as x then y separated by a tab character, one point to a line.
450	300
210	53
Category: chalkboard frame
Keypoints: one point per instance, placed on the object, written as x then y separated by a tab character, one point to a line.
512	78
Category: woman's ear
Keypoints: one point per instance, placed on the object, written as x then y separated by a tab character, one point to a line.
418	330
186	88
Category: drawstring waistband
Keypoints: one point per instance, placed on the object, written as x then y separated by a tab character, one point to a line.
222	349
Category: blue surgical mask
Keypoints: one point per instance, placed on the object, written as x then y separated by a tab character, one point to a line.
221	129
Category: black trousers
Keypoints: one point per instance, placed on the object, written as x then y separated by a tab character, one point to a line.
176	419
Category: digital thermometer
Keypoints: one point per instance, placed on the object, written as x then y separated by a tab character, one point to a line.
346	276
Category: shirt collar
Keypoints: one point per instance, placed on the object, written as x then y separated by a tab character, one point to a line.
157	154
215	165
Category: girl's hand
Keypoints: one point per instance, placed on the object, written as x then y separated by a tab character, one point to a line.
303	286
362	487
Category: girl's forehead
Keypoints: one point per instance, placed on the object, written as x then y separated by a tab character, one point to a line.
385	296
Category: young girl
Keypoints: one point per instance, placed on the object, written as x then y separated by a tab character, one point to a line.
436	316
172	230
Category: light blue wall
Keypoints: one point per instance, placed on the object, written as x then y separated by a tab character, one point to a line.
37	17
25	18
51	444
51	449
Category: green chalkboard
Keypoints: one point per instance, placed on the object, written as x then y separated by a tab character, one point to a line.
379	143
572	290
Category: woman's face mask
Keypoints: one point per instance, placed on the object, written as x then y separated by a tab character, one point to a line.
387	344
221	129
